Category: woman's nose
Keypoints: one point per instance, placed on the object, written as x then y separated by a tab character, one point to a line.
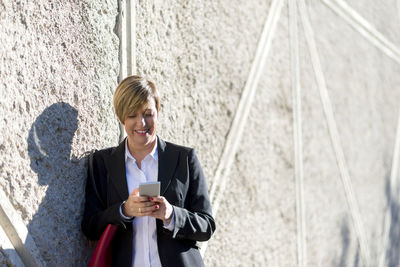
142	120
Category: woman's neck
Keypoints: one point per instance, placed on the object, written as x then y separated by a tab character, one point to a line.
139	153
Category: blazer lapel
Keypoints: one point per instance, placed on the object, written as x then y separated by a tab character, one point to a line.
167	163
117	171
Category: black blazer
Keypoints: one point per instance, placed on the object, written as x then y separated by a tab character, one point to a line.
182	184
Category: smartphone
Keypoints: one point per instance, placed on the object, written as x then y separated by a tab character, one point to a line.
149	189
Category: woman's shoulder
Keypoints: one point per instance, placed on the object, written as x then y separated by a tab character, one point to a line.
172	146
178	147
187	152
105	152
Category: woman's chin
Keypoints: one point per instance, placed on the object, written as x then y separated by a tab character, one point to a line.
143	140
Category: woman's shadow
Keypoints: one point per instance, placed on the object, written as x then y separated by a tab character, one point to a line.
55	227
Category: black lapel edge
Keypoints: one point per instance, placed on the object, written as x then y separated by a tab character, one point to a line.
117	171
167	164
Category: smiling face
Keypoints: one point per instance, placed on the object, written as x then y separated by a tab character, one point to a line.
141	126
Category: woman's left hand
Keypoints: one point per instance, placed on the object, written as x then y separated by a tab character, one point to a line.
163	209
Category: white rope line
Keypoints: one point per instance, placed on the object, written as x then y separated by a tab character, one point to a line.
247	97
127	38
334	135
8	249
240	119
122	34
398	8
394	187
131	37
18	233
366	29
297	136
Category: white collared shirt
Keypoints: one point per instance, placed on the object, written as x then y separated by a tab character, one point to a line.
145	250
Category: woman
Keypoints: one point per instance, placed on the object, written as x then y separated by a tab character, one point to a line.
153	231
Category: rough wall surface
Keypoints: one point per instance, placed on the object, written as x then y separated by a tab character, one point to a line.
59	67
200	53
385	17
365	99
257	216
330	238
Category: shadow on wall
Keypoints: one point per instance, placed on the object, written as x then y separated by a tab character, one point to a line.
393	248
347	257
55	227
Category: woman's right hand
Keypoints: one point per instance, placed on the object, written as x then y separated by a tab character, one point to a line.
138	206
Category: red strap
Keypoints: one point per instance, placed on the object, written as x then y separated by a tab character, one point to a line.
102	254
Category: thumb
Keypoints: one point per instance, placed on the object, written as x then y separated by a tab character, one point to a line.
135	192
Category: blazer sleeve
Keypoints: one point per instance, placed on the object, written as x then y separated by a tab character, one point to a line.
96	217
194	221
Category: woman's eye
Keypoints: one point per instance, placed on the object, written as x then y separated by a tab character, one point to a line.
132	116
148	114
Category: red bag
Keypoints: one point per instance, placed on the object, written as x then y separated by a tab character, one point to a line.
102	254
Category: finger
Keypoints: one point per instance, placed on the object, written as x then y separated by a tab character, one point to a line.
145	204
143	208
136	200
158	214
150	209
157	199
151	204
133	204
140	199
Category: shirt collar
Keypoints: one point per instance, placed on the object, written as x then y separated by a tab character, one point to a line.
153	153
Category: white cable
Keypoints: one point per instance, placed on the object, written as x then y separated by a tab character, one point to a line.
122	32
366	29
131	37
361	25
243	109
297	136
127	38
17	233
334	135
242	112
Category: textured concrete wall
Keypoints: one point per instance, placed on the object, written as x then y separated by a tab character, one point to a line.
59	67
200	54
257	217
365	95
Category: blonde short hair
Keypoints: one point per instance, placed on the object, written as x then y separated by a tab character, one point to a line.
131	94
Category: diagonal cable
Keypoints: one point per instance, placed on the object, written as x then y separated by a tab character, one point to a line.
365	28
242	112
334	136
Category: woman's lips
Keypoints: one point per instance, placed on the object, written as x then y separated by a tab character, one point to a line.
141	132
